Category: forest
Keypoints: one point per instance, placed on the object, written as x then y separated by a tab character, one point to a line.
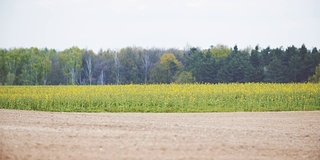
137	65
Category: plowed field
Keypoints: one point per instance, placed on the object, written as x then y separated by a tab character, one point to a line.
239	135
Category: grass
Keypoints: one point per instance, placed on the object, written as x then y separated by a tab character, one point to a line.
164	98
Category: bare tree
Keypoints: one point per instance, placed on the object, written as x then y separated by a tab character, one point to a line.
89	69
103	67
146	62
88	58
117	67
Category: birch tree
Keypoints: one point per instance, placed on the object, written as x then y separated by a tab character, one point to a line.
71	64
117	67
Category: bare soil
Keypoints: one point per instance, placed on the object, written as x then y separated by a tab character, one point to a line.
264	135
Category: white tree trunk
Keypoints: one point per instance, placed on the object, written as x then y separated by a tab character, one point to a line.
101	77
117	66
89	69
146	60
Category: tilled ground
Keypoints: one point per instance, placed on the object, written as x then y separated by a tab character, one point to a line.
265	135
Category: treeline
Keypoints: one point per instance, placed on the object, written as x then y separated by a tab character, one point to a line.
217	64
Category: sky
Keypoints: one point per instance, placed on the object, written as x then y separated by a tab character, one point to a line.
114	24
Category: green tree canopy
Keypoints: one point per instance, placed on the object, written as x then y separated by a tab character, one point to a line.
171	65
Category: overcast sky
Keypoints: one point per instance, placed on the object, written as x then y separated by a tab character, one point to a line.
114	24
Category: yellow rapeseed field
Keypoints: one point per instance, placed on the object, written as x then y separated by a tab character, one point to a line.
164	97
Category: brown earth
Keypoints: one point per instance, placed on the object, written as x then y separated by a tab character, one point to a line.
265	135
